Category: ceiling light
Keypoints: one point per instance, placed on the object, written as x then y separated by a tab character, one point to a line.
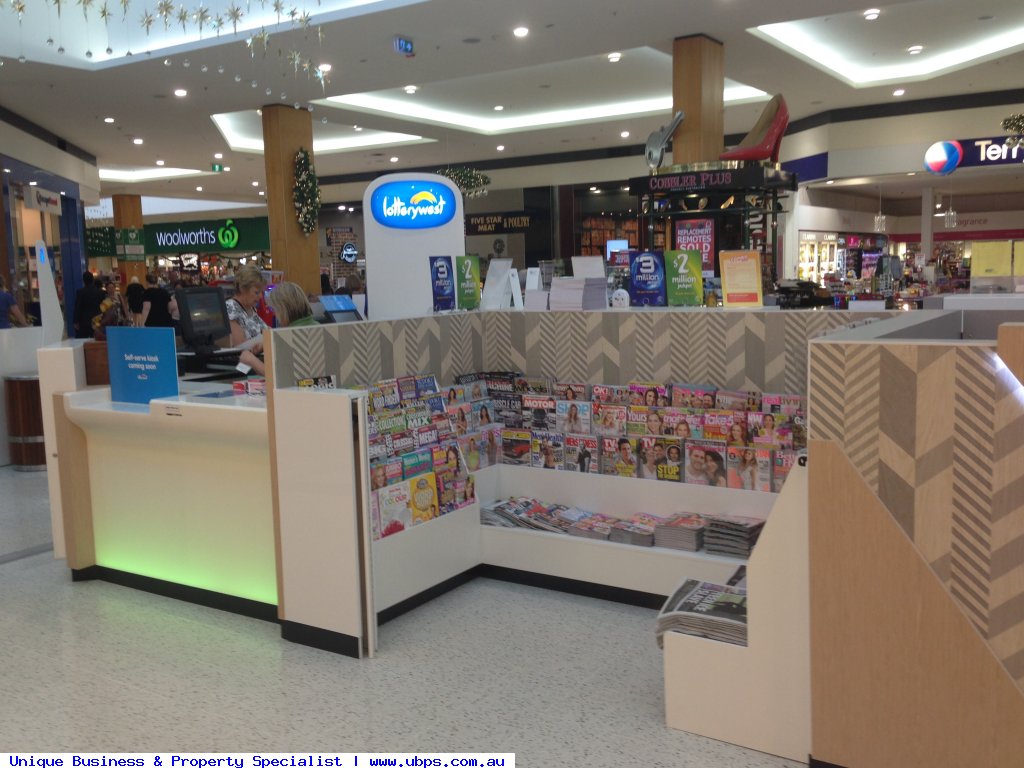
255	183
159	162
342	207
898	92
871	14
624	134
593	189
199	189
915	49
7	170
500	147
227	168
394	159
521	31
830	181
325	67
614	56
262	193
498	108
62	194
357	127
32	183
351	210
180	93
625	189
137	141
108	120
912	173
411	89
218	155
938	205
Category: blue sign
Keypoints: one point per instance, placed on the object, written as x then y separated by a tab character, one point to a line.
412	204
442	282
647	278
143	364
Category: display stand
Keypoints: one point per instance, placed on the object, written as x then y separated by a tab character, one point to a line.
757	696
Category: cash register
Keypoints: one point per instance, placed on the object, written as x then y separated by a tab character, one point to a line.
205	334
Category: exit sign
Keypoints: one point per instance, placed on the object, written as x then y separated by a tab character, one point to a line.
403	45
216	167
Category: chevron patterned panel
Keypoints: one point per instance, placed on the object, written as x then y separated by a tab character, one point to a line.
662	349
457	347
776	325
862	420
537	347
568	358
607	353
826	412
680	335
973	456
627	329
755	354
642	346
497	327
733	363
517	334
702	350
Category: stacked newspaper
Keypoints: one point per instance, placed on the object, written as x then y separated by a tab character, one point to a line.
732	535
521	512
706	610
685	532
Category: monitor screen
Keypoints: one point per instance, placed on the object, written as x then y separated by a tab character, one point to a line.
338	303
345	316
204	316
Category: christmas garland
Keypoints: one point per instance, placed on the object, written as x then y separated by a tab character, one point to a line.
470	181
307	193
1014	125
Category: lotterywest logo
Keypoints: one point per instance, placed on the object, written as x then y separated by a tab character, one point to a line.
412	204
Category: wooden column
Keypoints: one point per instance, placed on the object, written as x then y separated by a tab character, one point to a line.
128	215
698	80
285	131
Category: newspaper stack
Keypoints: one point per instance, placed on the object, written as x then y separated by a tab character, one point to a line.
685	532
706	610
732	535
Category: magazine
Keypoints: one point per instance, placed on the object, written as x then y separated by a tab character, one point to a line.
704	609
571	390
539	412
471	447
573	416
384	394
618	456
474	390
393	509
581	453
646	458
417	463
547	450
490	446
783	463
769	429
668	459
508	408
423	502
406	389
684	531
609	393
692	396
737	401
608	420
426	384
644	420
483	414
648	393
705	463
533	385
461	416
515	446
787	405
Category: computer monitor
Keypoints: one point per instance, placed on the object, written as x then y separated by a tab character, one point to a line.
337	302
204	317
345	316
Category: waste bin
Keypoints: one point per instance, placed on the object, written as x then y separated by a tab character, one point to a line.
24	422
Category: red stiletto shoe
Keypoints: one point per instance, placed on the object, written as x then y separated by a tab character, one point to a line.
765	138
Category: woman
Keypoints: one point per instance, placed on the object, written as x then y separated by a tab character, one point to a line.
682	430
291	308
768	429
737	434
573	424
655	425
156	305
647	466
245	323
674	456
485	416
748	469
714	468
651	397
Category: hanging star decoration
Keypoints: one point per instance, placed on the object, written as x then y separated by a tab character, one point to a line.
295	59
85	7
278	9
57	3
148	19
263	38
18	6
164	9
305	20
320	33
202	17
124	8
323	78
235	15
105	13
293	14
470	181
250	43
183	18
1014	127
218	24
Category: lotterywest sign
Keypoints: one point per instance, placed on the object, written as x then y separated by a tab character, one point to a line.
498	223
412	204
213	236
753	176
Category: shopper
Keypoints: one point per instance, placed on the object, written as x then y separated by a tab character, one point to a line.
156	305
87	306
134	295
245	323
9	307
291	308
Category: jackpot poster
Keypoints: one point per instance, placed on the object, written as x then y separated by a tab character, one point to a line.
442	282
684	282
698	235
741	278
646	279
467	282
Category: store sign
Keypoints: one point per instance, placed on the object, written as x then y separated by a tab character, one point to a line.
467	282
412	205
981	152
698	235
130	244
503	223
211	236
39	199
701	181
741	278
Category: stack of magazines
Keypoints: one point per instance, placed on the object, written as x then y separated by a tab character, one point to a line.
732	535
685	532
521	512
706	610
637	530
594	526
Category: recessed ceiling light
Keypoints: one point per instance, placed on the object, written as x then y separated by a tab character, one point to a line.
136	141
912	173
593	189
938	205
500	147
871	14
108	120
180	93
357	127
159	162
394	159
62	194
199	189
614	56
898	92
915	49
624	134
625	189
262	193
342	207
227	168
521	31
218	155
32	183
255	183
411	89
498	108
830	181
351	210
7	170
325	67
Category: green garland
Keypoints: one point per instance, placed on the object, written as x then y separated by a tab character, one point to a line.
307	193
1014	125
470	181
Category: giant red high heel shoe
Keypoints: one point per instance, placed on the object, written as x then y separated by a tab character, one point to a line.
764	139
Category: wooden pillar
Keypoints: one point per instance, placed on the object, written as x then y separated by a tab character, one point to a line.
128	215
698	79
285	131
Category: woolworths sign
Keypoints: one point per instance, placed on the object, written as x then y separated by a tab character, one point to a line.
215	236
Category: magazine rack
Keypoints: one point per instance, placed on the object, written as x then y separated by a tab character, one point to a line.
757	696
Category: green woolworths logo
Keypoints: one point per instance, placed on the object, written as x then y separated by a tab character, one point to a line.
227	235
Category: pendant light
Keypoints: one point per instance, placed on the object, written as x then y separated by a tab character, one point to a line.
880	217
949	218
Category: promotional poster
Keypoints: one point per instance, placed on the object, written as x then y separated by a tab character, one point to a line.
647	279
442	282
684	278
467	282
698	235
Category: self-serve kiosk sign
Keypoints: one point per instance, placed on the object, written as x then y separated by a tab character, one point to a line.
412	205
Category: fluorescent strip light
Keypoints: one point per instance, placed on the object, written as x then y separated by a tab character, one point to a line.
147	174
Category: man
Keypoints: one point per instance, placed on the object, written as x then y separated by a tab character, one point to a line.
87	306
134	296
9	308
695	468
625	465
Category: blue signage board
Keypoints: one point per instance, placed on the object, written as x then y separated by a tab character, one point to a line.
442	281
143	364
412	204
647	278
971	153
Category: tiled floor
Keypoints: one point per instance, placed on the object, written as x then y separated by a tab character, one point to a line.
557	679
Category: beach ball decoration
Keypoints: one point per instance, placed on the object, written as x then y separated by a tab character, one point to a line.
943	157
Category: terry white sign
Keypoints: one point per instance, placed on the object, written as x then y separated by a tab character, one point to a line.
40	199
